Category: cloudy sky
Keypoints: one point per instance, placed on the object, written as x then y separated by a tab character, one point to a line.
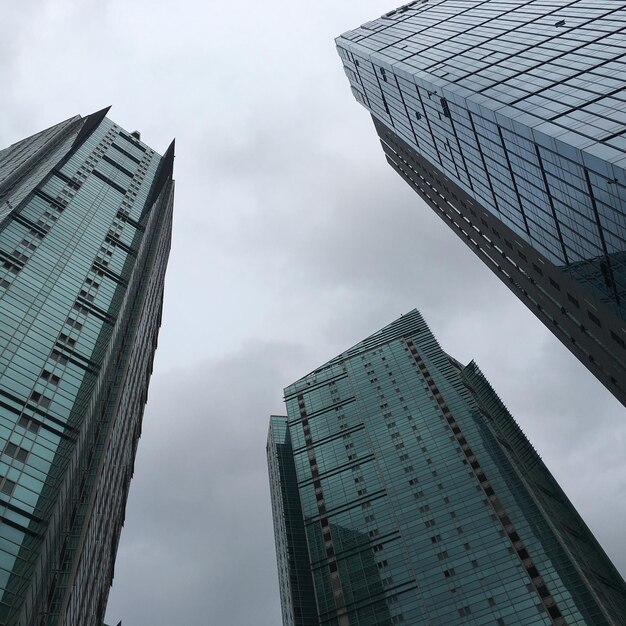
292	241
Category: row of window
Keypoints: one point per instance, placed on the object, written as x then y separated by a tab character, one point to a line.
411	180
516	541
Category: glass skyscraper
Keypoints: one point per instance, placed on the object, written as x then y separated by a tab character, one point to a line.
508	118
404	492
85	227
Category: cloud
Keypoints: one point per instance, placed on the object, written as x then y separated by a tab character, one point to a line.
197	546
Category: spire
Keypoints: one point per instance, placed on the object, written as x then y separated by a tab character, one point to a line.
91	122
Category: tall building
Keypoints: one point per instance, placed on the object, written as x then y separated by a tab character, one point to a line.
85	227
508	118
403	492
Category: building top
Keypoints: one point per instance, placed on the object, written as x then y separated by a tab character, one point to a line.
85	231
404	492
409	323
554	67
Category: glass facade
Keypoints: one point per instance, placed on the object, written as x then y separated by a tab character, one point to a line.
85	227
508	117
420	501
291	549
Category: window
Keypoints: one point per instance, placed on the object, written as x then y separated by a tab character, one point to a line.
445	107
618	339
573	300
50	377
73	323
16	452
7	486
449	572
59	358
28	424
465	611
63	338
593	318
40	399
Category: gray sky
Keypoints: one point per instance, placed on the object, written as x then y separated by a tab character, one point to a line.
293	240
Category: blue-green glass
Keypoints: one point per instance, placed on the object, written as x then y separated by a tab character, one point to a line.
83	248
423	502
519	104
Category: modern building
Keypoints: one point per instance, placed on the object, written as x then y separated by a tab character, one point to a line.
508	118
85	226
403	492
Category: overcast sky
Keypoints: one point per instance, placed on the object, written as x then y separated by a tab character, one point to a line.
293	240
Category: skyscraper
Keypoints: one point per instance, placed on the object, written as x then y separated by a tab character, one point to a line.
403	492
508	118
85	227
